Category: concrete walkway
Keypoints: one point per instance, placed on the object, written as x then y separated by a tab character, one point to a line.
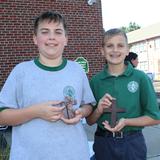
152	137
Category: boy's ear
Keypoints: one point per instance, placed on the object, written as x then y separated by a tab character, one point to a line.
102	51
34	39
66	41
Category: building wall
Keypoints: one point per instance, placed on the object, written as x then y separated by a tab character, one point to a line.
146	43
16	29
149	56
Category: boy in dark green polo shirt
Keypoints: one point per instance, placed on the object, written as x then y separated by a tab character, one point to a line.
133	92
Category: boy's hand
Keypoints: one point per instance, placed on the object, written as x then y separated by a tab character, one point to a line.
78	114
120	125
50	111
105	102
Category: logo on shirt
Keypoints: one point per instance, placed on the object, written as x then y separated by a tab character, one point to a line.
132	86
69	91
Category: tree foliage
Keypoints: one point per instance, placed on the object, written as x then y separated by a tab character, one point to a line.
131	27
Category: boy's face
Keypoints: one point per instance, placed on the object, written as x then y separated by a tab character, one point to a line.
115	49
50	39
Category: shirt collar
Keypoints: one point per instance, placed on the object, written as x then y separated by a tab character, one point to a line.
128	71
47	68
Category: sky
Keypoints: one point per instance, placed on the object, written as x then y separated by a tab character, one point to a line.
118	13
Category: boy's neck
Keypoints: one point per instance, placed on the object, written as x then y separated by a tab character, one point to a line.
116	70
51	62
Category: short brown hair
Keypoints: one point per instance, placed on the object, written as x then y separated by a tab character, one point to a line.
112	32
50	16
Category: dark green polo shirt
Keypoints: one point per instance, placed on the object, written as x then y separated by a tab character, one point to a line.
133	91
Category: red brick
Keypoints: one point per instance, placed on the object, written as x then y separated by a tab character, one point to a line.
16	28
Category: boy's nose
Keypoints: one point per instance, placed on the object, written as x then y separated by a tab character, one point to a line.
51	35
115	49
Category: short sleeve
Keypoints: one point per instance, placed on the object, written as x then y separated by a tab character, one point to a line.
87	92
148	99
8	94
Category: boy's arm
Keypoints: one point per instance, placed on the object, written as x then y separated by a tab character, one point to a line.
141	121
93	117
104	102
86	110
46	111
14	117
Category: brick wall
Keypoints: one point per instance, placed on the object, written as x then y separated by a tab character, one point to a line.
16	29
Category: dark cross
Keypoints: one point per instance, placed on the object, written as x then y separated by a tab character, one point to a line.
68	103
114	110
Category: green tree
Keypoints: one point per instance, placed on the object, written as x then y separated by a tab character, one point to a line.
131	27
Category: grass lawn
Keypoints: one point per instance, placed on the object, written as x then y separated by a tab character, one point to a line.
4	153
4	147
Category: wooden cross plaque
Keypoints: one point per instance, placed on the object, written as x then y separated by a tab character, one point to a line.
114	110
68	103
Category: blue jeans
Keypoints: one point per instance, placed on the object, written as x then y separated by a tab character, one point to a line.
93	157
130	147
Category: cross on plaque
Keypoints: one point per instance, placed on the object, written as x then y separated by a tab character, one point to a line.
114	110
68	103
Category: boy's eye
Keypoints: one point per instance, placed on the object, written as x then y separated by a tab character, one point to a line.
120	45
44	32
58	32
109	45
